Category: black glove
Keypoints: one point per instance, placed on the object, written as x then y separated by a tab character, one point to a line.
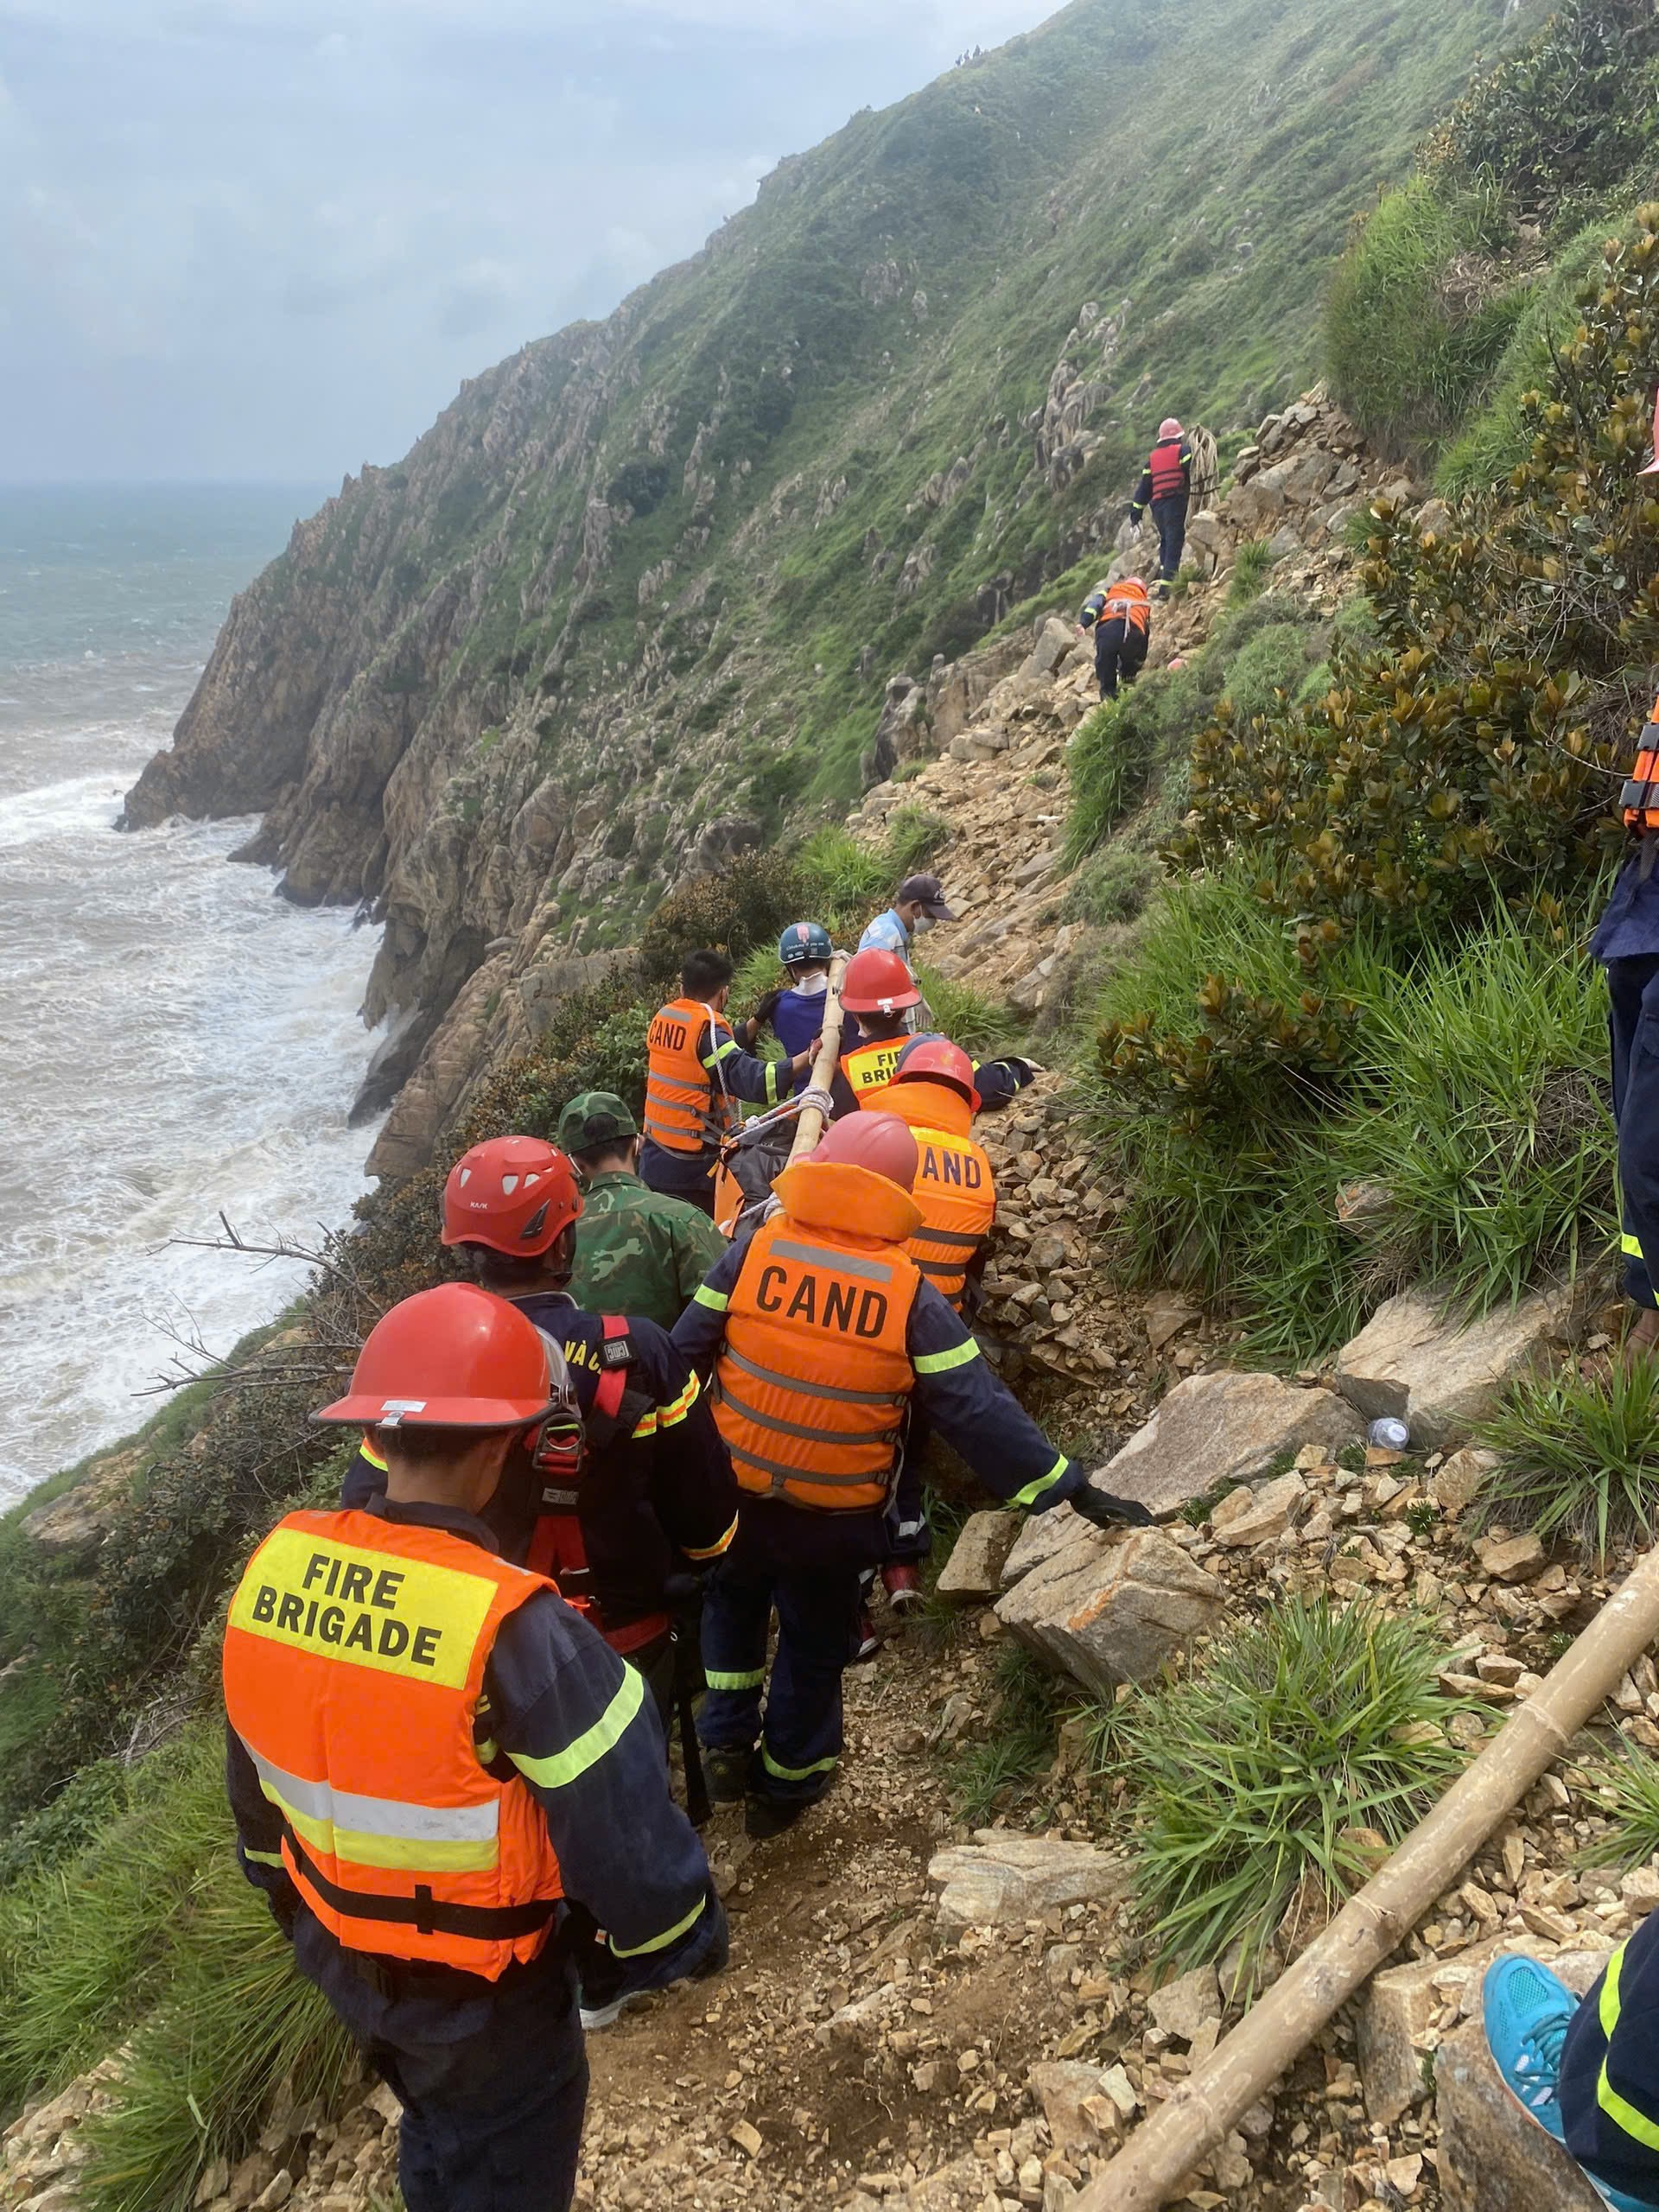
768	1006
1108	1512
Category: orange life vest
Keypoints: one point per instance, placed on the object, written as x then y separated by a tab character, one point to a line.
1128	602
956	1190
354	1659
1640	796
814	1379
687	1108
869	1067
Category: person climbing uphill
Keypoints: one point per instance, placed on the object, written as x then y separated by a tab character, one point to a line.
637	1251
696	1071
1588	2074
823	1332
433	1762
1165	488
636	1497
1120	615
954	1190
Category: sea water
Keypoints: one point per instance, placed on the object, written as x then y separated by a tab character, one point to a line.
176	1042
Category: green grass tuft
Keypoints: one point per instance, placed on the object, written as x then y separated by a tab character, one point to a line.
1001	1767
1252	566
1580	1457
1629	1787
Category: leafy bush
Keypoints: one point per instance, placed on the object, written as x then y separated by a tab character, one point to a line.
1299	1729
1578	1456
739	907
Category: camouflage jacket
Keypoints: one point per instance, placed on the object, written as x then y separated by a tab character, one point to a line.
640	1252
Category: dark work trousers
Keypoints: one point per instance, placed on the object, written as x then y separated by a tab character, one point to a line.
1609	2085
796	1748
493	2121
688	1175
1633	1008
1120	653
1169	519
910	1539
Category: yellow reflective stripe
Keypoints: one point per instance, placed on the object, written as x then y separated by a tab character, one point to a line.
264	1858
772	1067
371	1455
751	1679
941	1363
713	1551
796	1773
647	1425
1609	2008
671	1416
1630	1246
1034	1490
715	1300
660	1943
570	1765
403	1854
1624	2114
721	1052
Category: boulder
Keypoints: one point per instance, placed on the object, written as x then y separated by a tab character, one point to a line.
1247	1517
1457	1481
1056	641
1225	1429
1493	2158
1442	1375
1112	1608
975	1566
1003	1880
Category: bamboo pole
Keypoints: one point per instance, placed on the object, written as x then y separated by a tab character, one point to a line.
1199	2115
810	1128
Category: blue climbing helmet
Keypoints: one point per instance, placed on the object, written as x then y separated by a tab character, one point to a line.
805	944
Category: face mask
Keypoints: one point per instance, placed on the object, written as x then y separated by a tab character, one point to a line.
924	923
811	987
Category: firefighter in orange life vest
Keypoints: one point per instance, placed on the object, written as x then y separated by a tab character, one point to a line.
823	1331
698	1067
932	1091
430	1756
1120	615
635	1497
880	990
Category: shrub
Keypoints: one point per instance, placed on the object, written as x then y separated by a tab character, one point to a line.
842	881
1299	1729
1252	566
1578	1456
914	837
737	909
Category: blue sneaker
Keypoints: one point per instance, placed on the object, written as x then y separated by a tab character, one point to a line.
1528	2011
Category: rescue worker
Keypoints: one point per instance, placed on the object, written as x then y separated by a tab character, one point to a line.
1120	615
795	1013
823	1332
636	1251
1165	488
433	1762
696	1071
932	1091
919	904
880	991
1627	944
642	1498
1587	2072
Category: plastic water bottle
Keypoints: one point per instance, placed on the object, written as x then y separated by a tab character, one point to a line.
1390	1435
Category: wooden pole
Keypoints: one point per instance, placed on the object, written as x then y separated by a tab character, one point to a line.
810	1128
1201	2110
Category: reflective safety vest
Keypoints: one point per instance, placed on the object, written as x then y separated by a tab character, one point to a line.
956	1190
870	1067
1168	468
687	1107
1640	796
813	1381
354	1659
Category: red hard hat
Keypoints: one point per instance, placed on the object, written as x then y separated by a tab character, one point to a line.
937	1059
878	982
517	1195
453	1357
1169	427
881	1142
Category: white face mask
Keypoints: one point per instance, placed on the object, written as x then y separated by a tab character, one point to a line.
811	987
922	922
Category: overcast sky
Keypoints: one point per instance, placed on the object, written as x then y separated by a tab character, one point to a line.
267	238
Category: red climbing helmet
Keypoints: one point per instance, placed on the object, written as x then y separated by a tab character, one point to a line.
937	1059
881	1142
517	1195
453	1357
1169	427
878	982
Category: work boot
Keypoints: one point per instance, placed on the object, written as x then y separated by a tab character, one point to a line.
727	1773
903	1584
767	1817
866	1642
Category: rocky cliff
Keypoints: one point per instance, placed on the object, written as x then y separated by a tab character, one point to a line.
633	600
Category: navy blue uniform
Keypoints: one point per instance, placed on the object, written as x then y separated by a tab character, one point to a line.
690	1175
797	1019
1609	2087
807	1566
998	1081
662	1498
1628	944
492	2075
